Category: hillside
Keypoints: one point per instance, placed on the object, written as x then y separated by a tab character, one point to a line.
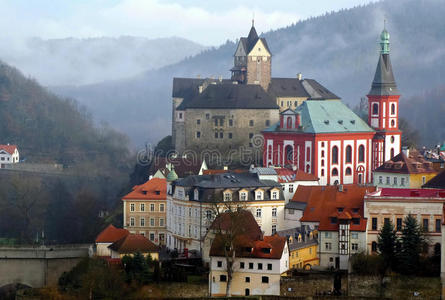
338	49
74	61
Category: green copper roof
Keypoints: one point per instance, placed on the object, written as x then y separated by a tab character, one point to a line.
327	116
172	176
384	42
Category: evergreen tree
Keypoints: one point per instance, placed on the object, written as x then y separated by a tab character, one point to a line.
387	243
412	243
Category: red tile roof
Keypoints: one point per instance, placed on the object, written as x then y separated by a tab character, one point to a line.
288	175
8	148
183	166
420	193
243	220
154	189
222	171
327	202
111	234
269	247
414	163
133	243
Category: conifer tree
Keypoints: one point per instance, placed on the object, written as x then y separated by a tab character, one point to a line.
412	243
387	243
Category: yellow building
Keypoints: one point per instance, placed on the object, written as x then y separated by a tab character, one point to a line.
408	170
302	248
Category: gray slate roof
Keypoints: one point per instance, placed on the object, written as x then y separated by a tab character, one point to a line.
293	87
232	96
384	82
296	205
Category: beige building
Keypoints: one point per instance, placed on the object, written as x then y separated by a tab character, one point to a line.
395	204
107	237
145	210
257	266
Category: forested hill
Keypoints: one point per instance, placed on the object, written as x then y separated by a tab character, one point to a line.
338	49
48	129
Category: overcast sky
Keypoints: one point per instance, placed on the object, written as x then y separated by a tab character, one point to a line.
209	22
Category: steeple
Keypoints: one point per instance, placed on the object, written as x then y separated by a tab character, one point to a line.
252	38
384	82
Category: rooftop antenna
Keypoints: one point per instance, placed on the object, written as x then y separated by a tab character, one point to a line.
253	19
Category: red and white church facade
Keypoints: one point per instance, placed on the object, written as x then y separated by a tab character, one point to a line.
327	139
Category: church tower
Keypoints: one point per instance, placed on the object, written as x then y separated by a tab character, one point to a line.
383	102
252	60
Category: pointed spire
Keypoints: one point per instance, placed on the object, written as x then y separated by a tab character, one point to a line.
384	82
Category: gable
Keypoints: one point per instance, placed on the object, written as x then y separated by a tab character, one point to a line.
4	152
240	50
259	49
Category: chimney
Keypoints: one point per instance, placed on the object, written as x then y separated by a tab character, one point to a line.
405	151
299	76
220	78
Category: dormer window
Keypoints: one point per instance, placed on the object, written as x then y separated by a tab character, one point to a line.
333	220
274	195
266	250
227	196
259	195
340	209
243	196
157	192
196	194
356	221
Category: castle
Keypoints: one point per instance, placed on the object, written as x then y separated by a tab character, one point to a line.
226	115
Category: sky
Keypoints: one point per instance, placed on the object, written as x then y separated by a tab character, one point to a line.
207	22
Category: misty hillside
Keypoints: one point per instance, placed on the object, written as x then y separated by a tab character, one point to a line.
48	129
339	49
74	61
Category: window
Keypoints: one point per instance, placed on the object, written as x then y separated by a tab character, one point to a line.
289	122
348	154
438	225
375	109
142	207
247	279
328	235
260	266
216	134
265	279
354	235
152	236
161	207
131	206
198	121
258	212
222	278
334	172
361	153
161	222
230	135
241	265
142	222
348	171
274	195
221	134
207	116
399	224
374	224
152	222
274	229
152	207
328	246
423	179
291	188
227	196
380	179
180	116
335	155
131	221
269	267
392	152
395	180
258	195
198	134
402	181
250	135
374	247
388	180
274	212
230	122
219	263
243	196
208	214
251	123
267	123
333	220
250	266
221	122
385	220
393	109
425	225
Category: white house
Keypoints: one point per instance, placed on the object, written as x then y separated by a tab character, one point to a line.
9	154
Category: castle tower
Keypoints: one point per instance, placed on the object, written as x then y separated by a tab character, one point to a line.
383	114
252	60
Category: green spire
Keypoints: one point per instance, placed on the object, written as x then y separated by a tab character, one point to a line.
172	176
384	41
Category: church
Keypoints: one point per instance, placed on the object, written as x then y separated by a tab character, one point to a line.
327	139
228	114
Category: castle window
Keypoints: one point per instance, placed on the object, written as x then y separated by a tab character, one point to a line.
393	123
348	171
348	154
207	116
198	121
230	135
322	152
334	172
289	122
230	122
221	134
322	172
251	123
267	123
250	135
198	134
375	109
393	109
221	122
361	153
180	116
335	155
216	122
216	134
322	162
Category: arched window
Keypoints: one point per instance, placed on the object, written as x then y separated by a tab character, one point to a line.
348	154
392	152
269	152
322	172
361	153
289	154
289	122
393	109
322	153
375	109
334	172
322	162
308	168
393	123
335	155
348	171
